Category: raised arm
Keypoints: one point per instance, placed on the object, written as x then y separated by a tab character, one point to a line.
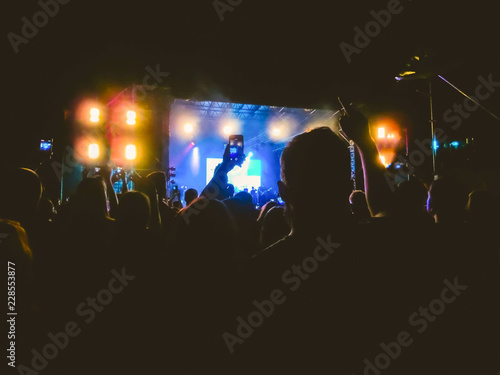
217	187
377	189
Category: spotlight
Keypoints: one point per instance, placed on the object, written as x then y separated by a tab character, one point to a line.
227	130
276	132
192	143
130	152
188	128
94	151
381	132
131	117
95	115
382	159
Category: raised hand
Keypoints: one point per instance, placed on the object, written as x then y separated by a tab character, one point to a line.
355	126
227	164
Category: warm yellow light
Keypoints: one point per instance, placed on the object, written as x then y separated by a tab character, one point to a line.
227	130
93	151
188	128
381	133
130	152
131	117
94	115
276	131
407	73
382	159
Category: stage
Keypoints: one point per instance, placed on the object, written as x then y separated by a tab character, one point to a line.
199	132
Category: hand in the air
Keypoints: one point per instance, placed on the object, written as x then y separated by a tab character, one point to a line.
355	126
227	163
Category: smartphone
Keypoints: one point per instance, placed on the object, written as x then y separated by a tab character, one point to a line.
46	146
236	147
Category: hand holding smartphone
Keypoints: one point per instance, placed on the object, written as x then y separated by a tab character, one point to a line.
236	148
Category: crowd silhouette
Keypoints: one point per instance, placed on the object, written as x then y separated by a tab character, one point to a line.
321	284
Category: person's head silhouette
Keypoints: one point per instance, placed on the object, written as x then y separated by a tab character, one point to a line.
159	179
447	200
134	211
20	194
190	195
90	200
315	180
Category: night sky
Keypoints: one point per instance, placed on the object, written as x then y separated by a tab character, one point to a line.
263	52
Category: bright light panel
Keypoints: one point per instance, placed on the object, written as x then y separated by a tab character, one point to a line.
381	132
130	152
93	151
94	115
131	117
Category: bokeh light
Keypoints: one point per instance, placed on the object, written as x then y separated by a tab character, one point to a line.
188	128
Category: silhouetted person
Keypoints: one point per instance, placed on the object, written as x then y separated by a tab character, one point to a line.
134	213
447	200
167	214
410	199
190	195
315	158
245	217
20	194
203	278
90	202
